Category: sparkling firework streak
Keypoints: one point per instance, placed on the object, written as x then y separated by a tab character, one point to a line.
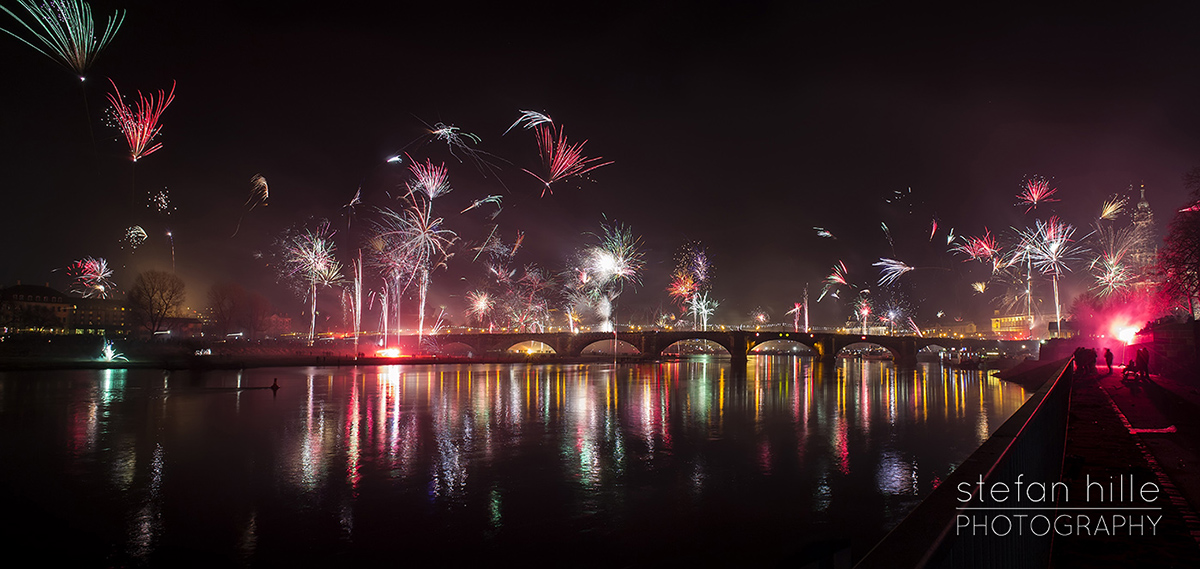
530	119
888	233
980	287
822	232
933	225
67	32
562	159
1036	191
1112	207
140	124
134	237
91	278
702	308
1109	268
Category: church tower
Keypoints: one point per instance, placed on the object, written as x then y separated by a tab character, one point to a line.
1145	249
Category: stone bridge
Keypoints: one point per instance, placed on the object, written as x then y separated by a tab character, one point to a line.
739	343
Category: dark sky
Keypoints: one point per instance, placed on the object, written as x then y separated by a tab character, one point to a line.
738	125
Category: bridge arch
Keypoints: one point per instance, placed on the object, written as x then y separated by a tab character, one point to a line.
783	346
530	347
868	348
610	346
693	346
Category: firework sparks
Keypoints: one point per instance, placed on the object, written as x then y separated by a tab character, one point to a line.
67	32
161	202
140	124
933	227
1112	207
836	279
259	193
455	138
433	181
308	259
479	306
1034	192
890	270
602	271
1049	248
978	248
561	159
822	232
530	119
134	237
91	278
417	244
489	199
979	287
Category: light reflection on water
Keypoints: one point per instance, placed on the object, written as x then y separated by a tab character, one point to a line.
629	464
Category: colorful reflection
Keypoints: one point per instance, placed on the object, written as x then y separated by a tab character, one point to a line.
360	460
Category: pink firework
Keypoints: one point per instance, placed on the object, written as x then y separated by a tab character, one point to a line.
978	248
140	123
562	159
1035	191
91	278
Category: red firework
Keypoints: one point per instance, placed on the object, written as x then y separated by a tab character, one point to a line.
562	159
140	123
1035	191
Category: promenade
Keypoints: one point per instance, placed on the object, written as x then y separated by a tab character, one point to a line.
1147	429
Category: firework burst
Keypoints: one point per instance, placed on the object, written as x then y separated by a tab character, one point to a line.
139	124
1112	207
1050	249
561	159
309	261
66	31
91	278
1035	191
134	237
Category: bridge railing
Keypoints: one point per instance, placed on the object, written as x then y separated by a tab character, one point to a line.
1030	445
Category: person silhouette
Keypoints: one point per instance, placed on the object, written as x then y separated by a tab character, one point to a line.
1108	357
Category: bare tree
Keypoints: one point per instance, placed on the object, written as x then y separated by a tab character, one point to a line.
156	296
225	300
1179	262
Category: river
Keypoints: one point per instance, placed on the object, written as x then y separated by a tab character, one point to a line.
598	464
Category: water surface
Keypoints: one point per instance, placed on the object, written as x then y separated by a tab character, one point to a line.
551	465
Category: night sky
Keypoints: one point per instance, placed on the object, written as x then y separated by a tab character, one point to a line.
736	125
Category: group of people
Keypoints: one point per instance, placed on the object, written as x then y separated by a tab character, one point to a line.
1137	368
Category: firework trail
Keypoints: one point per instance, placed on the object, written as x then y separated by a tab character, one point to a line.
66	31
561	159
91	278
862	307
950	236
140	123
1034	192
822	232
888	233
134	237
354	202
308	260
916	329
933	225
1111	272
259	193
530	119
489	199
979	287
